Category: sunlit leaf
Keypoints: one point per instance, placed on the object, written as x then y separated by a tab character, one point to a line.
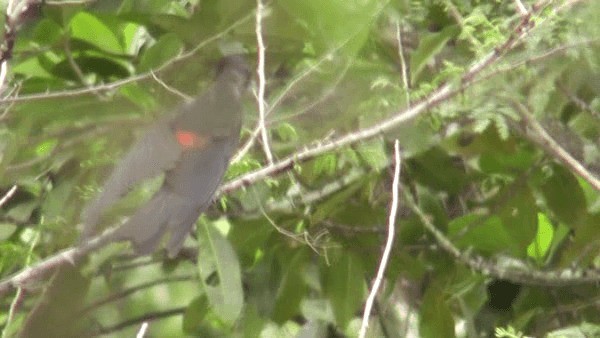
220	272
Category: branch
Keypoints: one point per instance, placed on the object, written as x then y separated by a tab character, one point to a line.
403	65
542	138
9	194
435	98
578	101
117	84
388	245
260	70
126	292
43	268
142	319
142	331
486	267
277	101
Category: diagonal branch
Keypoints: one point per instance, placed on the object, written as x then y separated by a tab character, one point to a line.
542	138
487	267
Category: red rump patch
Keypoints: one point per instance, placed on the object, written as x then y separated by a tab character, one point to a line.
189	139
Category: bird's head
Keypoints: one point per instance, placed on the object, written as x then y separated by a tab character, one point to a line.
235	71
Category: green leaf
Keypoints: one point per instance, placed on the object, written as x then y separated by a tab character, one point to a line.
46	147
374	154
47	32
428	48
484	234
194	314
564	196
220	273
165	49
139	96
541	243
507	163
32	67
85	26
292	288
519	216
435	318
22	211
344	286
438	170
322	21
6	230
248	237
334	204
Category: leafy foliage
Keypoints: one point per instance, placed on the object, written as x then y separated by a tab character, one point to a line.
294	254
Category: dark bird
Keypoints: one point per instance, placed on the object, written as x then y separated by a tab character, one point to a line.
192	148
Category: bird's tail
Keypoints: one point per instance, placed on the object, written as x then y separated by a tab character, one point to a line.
165	212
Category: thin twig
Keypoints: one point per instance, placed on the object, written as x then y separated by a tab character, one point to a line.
74	66
3	71
14	306
129	291
9	194
578	101
403	66
552	147
303	238
256	132
169	88
537	58
117	84
436	97
260	70
307	198
41	269
517	274
388	245
142	331
326	93
19	296
151	316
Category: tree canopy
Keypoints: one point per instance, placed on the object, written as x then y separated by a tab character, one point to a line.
445	151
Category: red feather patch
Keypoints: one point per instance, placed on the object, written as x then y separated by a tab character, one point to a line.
189	139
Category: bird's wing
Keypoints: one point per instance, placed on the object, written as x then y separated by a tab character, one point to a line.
154	153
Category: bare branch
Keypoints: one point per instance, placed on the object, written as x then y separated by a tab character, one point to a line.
150	316
486	267
260	70
388	245
246	147
169	88
578	101
403	65
19	296
9	194
542	138
134	289
43	268
142	331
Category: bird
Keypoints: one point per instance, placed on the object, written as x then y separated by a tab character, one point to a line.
192	148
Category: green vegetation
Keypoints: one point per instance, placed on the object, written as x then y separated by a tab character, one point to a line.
496	107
